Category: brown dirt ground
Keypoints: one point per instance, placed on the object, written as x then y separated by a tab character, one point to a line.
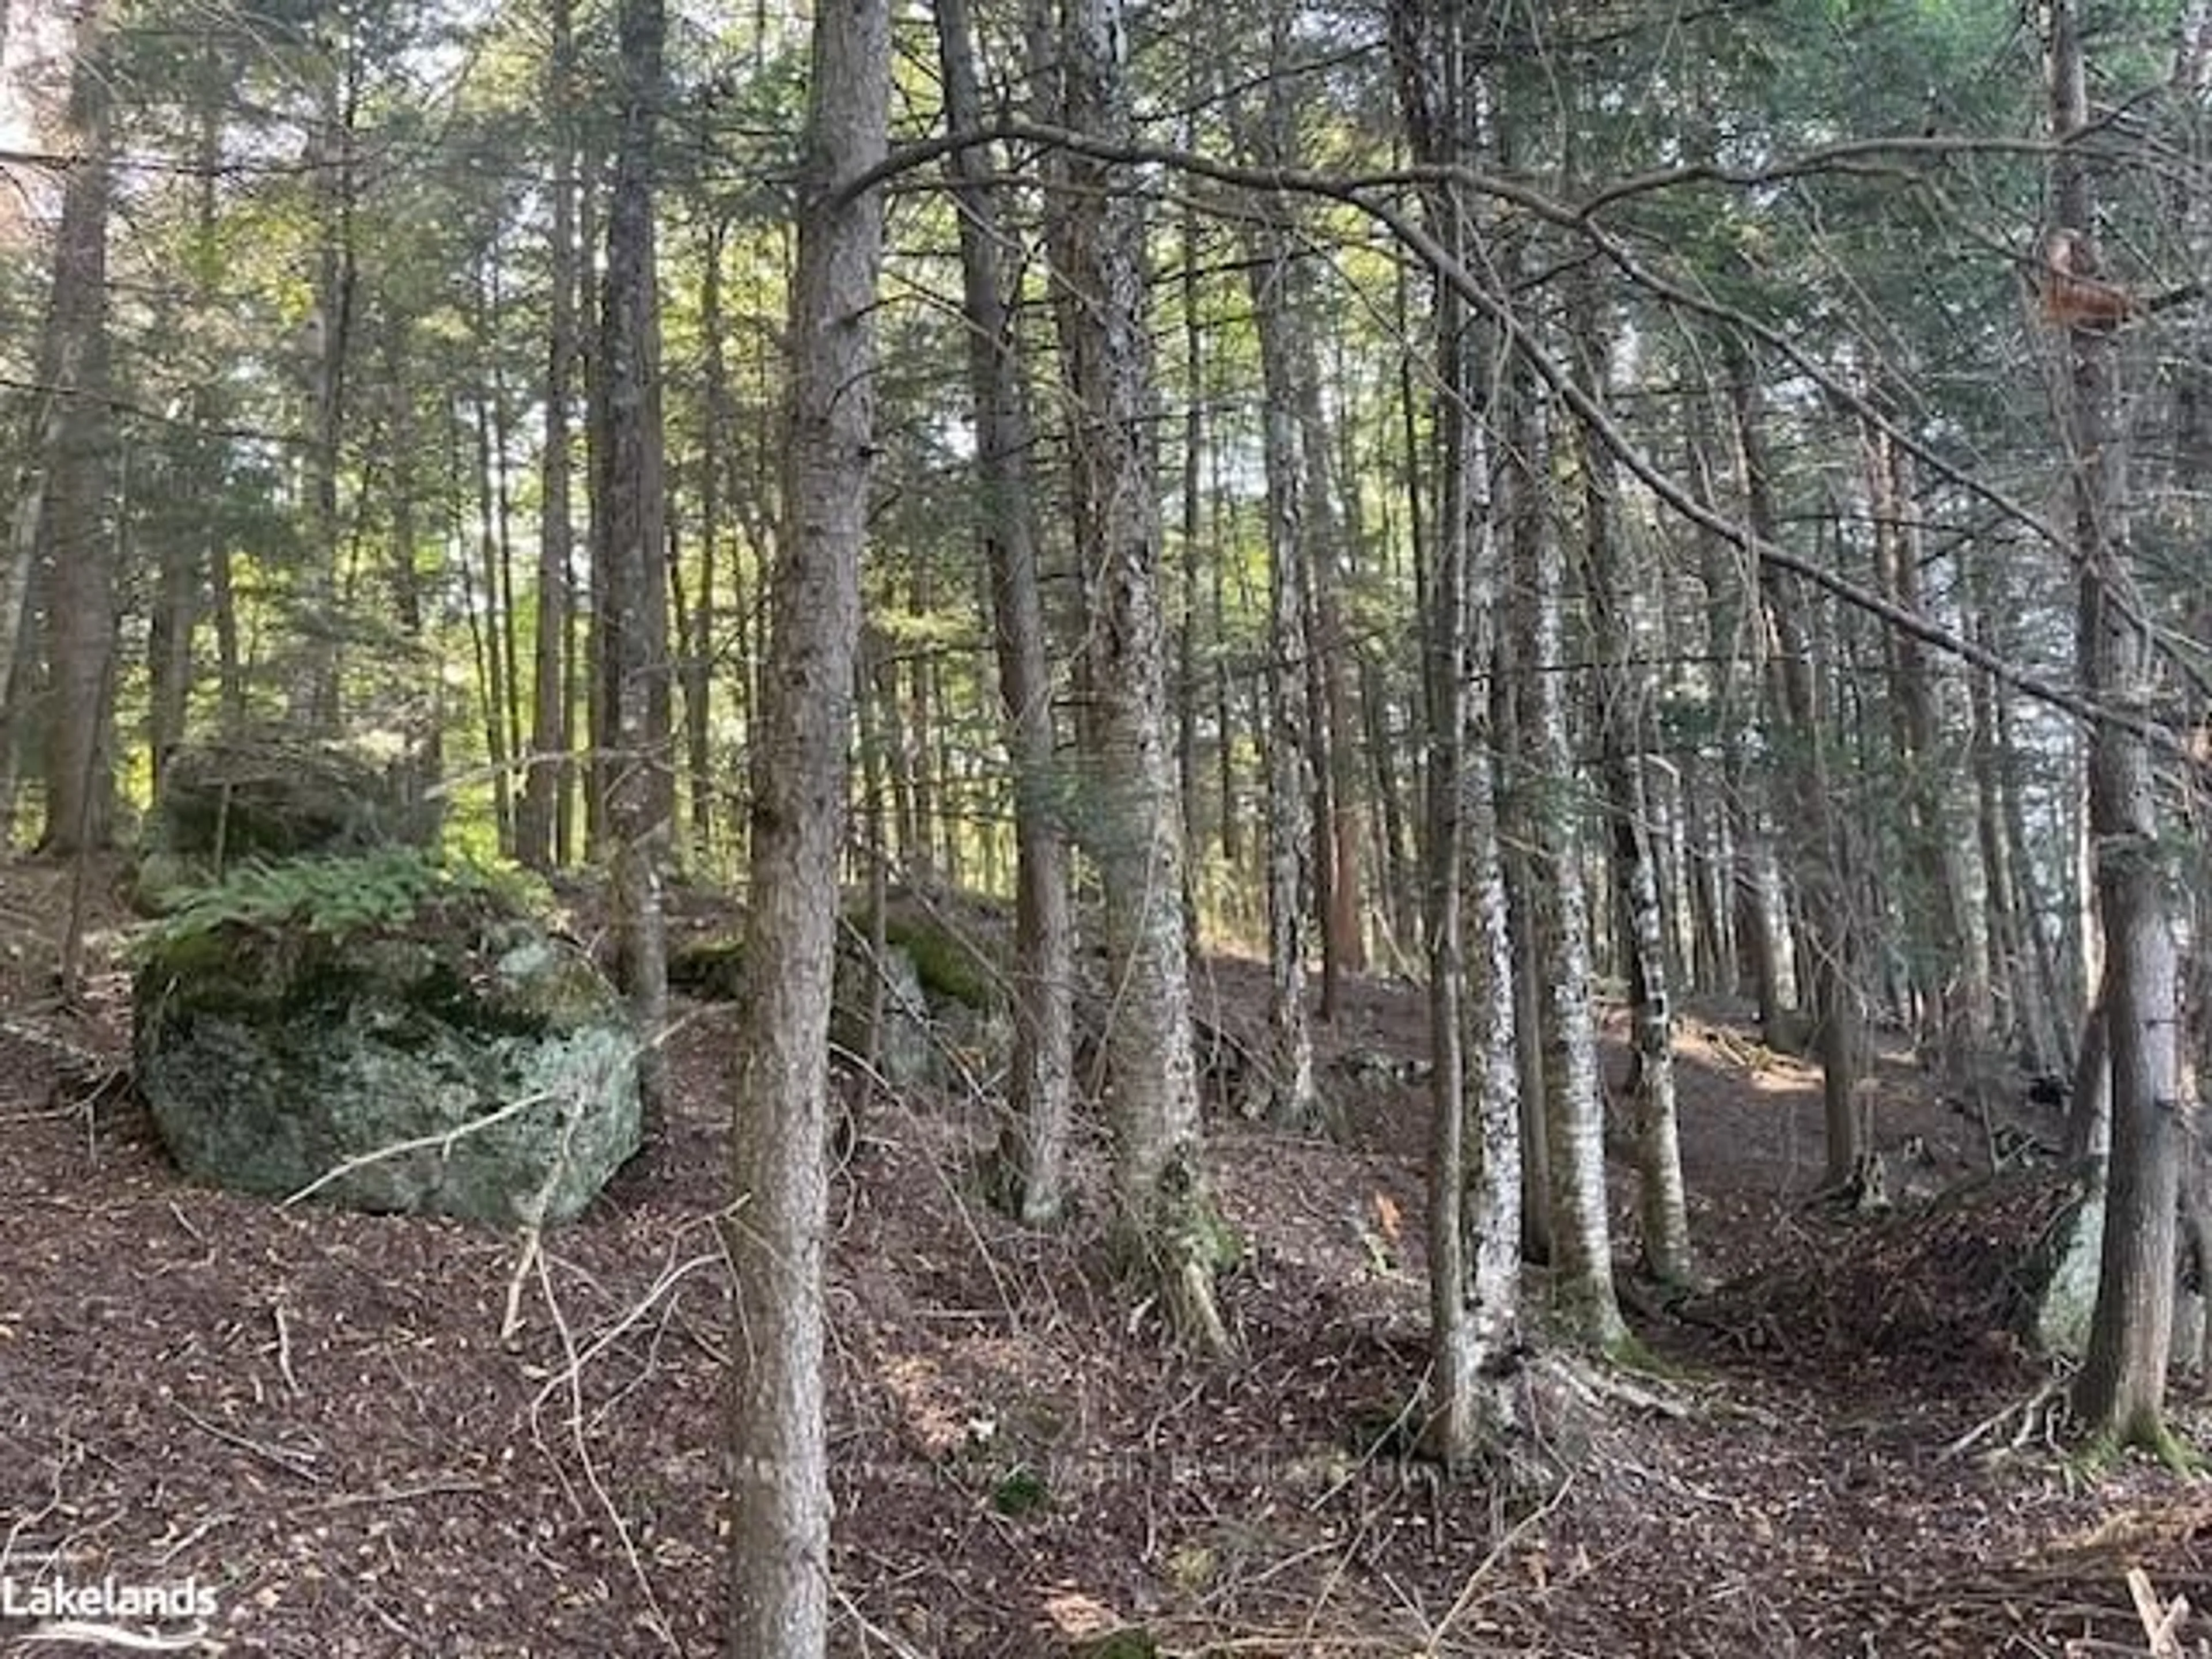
314	1412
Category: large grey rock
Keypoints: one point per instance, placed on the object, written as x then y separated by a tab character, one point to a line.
905	1048
712	969
497	1056
2060	1276
272	795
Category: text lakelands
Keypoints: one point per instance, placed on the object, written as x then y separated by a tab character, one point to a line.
109	1598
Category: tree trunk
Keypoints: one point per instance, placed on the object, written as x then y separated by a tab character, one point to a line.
488	624
547	779
1190	506
1557	902
1164	1213
2027	901
1041	1088
1527	1001
706	617
313	693
1329	519
1475	1161
1952	982
1623	699
1344	830
586	671
2121	1390
1293	1099
1731	595
75	550
187	556
1824	874
777	1231
692	615
2016	975
632	638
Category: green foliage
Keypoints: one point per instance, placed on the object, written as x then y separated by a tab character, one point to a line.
1021	1490
1130	1642
948	967
2105	1453
387	891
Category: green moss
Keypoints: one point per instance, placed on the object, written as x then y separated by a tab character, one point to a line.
1021	1490
712	969
949	968
1211	1239
1130	1642
2149	1433
395	928
543	984
1628	1353
342	899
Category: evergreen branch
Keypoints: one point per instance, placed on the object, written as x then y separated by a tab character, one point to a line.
1370	194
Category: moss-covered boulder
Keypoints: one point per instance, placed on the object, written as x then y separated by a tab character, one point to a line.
712	969
885	990
272	794
388	1035
2058	1280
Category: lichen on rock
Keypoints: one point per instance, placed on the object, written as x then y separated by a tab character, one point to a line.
429	1047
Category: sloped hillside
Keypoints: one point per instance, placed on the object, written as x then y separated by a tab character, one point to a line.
315	1415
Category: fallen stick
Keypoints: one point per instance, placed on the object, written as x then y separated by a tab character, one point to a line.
117	1636
2161	1624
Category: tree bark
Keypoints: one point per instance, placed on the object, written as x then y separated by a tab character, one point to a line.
487	623
706	617
1475	1151
2121	1390
547	779
2017	980
633	613
1556	896
316	682
1824	873
1041	1088
187	558
1731	597
75	548
1165	1219
1953	981
1293	1099
777	1231
1623	699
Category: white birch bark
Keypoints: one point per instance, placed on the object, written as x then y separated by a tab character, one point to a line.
1475	1152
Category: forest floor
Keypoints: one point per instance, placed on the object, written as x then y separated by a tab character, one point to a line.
314	1412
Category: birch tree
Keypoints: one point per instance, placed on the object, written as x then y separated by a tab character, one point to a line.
1555	897
1623	729
1474	1134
